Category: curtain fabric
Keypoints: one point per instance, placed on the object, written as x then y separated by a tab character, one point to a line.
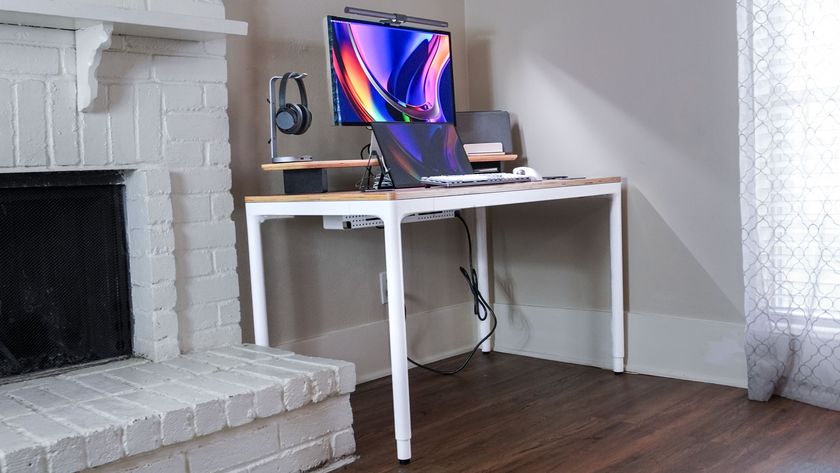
789	92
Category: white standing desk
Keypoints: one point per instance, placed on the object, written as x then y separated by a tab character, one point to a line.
392	207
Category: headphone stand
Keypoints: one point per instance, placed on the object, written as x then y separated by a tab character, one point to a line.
272	101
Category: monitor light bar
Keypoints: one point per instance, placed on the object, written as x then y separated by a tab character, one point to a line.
395	18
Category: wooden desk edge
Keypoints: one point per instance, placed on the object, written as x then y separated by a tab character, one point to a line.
420	192
360	163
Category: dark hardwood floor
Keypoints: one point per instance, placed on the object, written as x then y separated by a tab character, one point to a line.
511	413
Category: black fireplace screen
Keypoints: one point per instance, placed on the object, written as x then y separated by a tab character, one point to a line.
64	287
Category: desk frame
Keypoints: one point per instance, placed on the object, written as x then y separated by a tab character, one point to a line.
392	207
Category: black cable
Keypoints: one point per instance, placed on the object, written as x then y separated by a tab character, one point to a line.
364	182
479	304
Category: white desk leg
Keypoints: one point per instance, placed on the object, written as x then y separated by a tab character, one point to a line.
255	259
617	283
396	326
483	270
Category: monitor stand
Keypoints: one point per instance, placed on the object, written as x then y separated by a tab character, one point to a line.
383	180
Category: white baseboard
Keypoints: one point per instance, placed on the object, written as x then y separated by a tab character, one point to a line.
674	347
432	336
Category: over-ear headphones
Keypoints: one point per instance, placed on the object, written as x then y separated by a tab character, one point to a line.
292	118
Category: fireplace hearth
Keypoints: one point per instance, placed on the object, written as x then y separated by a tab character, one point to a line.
64	280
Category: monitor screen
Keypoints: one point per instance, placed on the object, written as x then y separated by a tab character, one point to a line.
382	73
415	150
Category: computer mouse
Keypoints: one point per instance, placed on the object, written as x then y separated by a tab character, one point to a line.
528	172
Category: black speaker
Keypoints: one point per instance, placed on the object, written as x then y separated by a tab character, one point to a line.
485	127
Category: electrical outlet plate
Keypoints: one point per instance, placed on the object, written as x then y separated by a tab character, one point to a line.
383	287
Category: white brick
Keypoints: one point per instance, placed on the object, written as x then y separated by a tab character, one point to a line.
70	389
149	182
191	181
176	417
295	386
212	338
190	69
197	126
103	439
151	299
65	448
208	410
19	453
215	96
165	371
222	205
206	235
142	425
7	157
150	123
10	408
343	443
344	371
68	61
32	123
191	208
224	260
194	263
104	384
184	154
38	398
306	457
20	59
123	138
212	359
271	351
207	289
229	312
122	65
239	404
190	366
218	153
136	377
314	421
156	464
238	353
233	450
94	131
201	317
216	47
268	396
65	127
322	380
182	97
156	326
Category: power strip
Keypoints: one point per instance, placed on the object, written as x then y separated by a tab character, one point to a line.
350	222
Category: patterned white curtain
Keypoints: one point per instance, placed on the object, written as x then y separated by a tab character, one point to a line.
789	71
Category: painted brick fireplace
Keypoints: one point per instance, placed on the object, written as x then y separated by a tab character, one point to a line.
193	398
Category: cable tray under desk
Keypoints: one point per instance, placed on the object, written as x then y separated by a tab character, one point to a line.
350	222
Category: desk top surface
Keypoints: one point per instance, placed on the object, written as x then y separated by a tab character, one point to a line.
422	192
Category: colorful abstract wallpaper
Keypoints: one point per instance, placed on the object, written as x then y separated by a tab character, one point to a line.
389	74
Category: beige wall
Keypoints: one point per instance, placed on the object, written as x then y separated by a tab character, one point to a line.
323	281
644	89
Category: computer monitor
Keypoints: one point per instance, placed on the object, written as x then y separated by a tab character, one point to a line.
383	73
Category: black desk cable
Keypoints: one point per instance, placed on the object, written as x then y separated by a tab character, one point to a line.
481	308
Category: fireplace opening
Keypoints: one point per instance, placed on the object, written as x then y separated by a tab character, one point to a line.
64	280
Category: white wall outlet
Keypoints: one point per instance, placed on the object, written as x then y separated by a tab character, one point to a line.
383	287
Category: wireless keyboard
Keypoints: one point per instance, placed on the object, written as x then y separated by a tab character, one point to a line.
473	179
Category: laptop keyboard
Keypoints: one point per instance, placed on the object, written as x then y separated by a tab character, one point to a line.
473	179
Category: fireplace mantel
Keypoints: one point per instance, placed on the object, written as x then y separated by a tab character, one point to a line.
94	25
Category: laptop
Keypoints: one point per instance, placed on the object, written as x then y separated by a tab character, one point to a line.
430	154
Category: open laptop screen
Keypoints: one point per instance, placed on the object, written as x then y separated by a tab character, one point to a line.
415	150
